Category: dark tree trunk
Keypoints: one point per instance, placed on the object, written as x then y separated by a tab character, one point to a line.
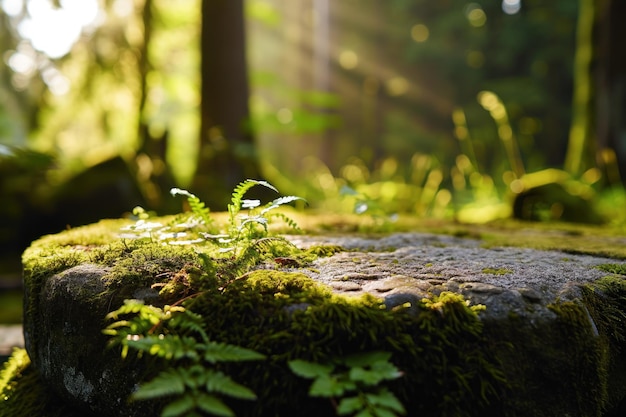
227	153
151	172
611	88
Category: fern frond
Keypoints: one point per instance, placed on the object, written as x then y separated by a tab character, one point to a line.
180	407
223	384
222	352
280	201
189	322
168	347
240	190
196	205
213	405
129	307
168	382
288	220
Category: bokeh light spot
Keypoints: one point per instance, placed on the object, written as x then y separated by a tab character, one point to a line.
348	59
475	15
511	6
420	33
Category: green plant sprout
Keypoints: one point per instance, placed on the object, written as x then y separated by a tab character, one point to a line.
242	228
175	334
356	382
246	227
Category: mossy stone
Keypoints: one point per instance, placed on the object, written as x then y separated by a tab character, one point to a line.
455	362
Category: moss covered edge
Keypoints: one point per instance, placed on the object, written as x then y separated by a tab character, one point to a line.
453	363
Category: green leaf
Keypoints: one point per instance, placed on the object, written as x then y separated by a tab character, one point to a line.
310	370
330	386
386	370
168	382
129	307
382	412
219	382
279	202
222	352
350	405
364	413
241	189
213	405
365	376
197	206
168	347
179	407
387	399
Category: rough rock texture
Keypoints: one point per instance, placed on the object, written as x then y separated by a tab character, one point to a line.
517	286
63	336
408	266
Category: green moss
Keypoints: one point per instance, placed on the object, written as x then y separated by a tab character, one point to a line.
287	316
497	271
23	395
602	240
606	302
619	269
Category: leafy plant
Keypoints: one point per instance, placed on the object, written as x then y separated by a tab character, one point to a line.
192	378
242	229
196	205
356	381
246	227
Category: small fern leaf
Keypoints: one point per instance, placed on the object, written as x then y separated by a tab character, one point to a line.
129	307
222	352
179	407
310	370
167	383
241	189
223	384
213	405
168	347
288	220
196	205
189	322
280	201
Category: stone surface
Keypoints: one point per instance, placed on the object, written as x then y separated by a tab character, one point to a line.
408	266
63	336
64	339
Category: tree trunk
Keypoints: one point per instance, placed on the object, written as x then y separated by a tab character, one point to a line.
611	88
580	154
227	153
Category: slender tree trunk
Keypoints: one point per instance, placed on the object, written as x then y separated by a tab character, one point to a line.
580	154
227	153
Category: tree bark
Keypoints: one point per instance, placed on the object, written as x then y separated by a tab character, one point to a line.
227	153
611	88
580	154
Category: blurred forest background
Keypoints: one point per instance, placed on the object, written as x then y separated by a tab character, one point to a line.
465	110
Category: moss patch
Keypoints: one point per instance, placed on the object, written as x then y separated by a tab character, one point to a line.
497	271
22	393
601	240
287	316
